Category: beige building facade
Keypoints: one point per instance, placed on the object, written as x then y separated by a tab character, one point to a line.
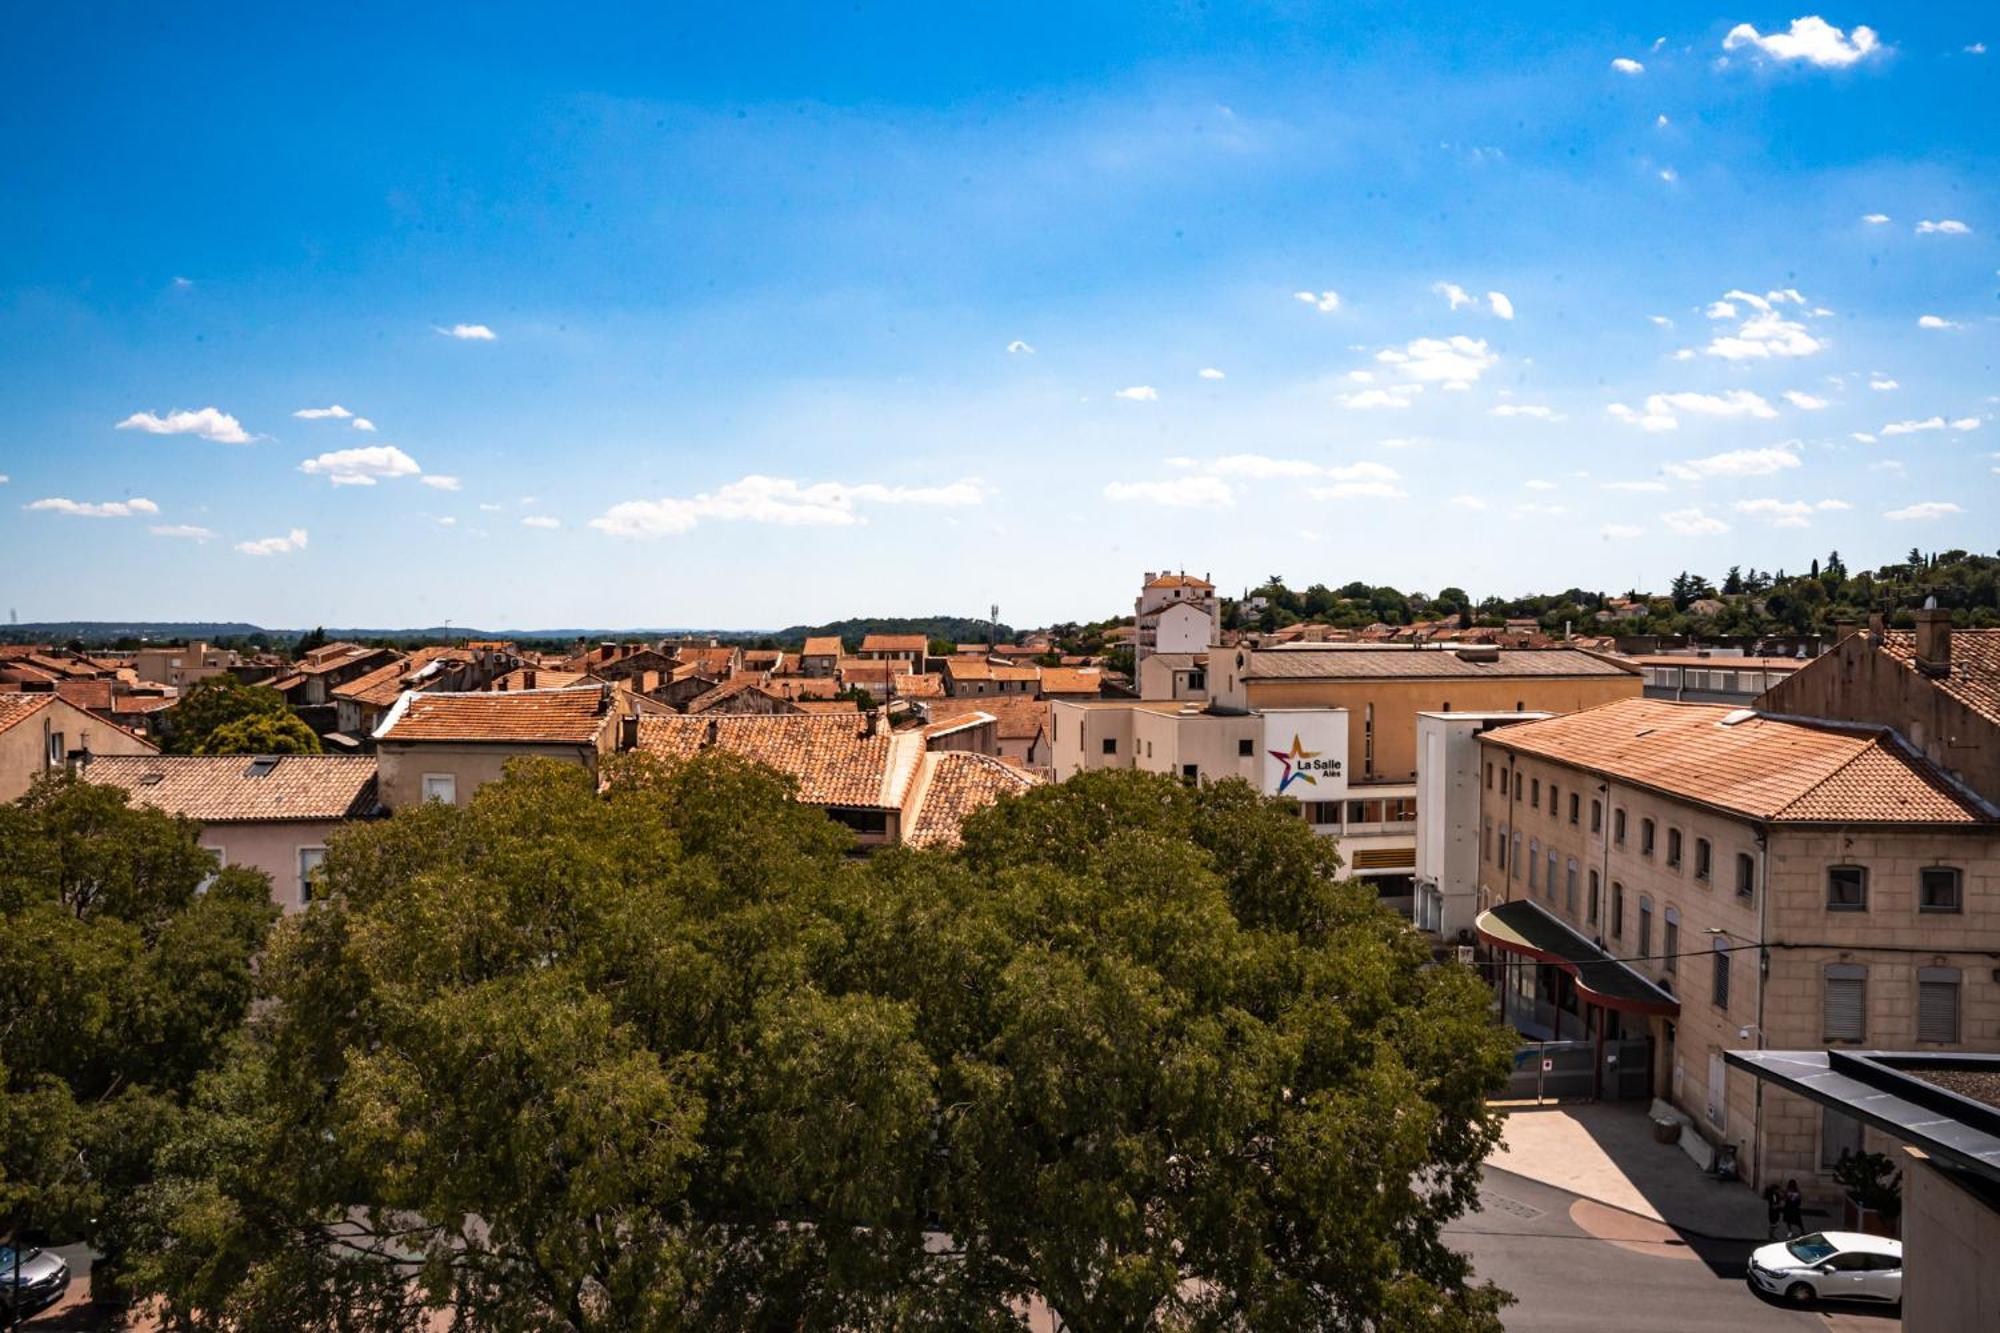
40	733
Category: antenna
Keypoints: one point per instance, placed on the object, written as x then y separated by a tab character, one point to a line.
993	627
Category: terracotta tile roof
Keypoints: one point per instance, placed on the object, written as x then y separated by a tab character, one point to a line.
244	788
959	668
711	659
18	708
1071	680
333	657
1019	716
381	686
803	687
868	670
1974	679
1755	766
720	696
546	717
895	643
930	685
947	723
141	703
826	706
540	678
832	760
1717	663
1177	581
91	694
952	785
1424	663
823	645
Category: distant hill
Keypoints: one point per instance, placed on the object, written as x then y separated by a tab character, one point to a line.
953	629
106	633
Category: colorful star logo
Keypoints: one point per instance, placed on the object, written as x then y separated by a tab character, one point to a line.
1296	755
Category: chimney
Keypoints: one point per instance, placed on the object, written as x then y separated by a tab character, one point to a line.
1933	640
1876	627
628	732
710	733
1844	629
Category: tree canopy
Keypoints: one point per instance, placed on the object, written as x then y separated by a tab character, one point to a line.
119	984
667	1058
261	733
222	715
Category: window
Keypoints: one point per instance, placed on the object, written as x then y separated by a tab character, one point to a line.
310	860
1746	874
1534	861
1674	848
441	787
1516	861
1940	889
1322	812
1535	793
1500	859
1617	910
861	821
1575	807
1489	775
1618	826
1111	745
1555	802
1839	1136
1719	989
1646	831
57	750
1245	747
1596	815
1190	772
1550	882
1569	886
1937	1004
1704	858
1718	1090
1593	898
1486	839
1845	1002
1846	888
1670	942
1645	926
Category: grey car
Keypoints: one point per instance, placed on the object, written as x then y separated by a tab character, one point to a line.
37	1284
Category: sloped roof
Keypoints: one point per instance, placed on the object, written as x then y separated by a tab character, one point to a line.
895	643
1425	663
1974	679
381	686
244	788
822	645
1177	581
1751	765
954	784
1071	680
929	685
834	758
546	717
18	708
1019	717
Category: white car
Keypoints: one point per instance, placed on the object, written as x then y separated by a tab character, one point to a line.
1831	1266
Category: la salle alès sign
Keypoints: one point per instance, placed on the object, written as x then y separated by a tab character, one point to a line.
1305	753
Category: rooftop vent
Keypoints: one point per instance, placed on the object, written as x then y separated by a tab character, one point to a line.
1480	653
260	768
1736	715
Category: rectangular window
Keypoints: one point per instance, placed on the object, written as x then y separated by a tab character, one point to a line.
1670	943
1111	745
1575	807
1704	857
1839	1136
1937	1004
1940	889
1555	801
1503	782
1645	927
1322	812
1534	862
1845	1002
1550	882
1674	848
1593	897
1489	775
1516	855
1719	990
1645	837
1596	815
441	787
1569	886
57	750
310	860
1846	888
1618	826
1190	772
1245	747
1486	839
1500	859
1746	875
1617	910
1535	793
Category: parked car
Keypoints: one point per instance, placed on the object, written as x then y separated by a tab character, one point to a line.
43	1277
1831	1265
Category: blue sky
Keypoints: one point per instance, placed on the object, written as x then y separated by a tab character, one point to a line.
786	313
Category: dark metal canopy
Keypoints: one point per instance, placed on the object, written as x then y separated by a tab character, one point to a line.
1522	927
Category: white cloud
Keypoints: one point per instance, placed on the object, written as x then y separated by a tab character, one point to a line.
1965	423
1766	332
779	500
1139	393
1788	513
182	284
1882	384
1537	484
1400	442
1498	303
1453	294
1693	523
1863	437
1359	480
1627	65
1735	463
1886	465
1262	468
1684	354
1455	361
1467	501
1912	426
1194	492
438	481
1661	320
490	508
1720	310
540	521
187	531
1805	402
362	423
1661	408
1934	322
1323	301
106	509
478	333
1619	531
1211	373
1926	509
1874	219
1635	486
1669	175
336	413
1976	49
1020	348
1811	39
208	423
295	540
447	522
1540	411
1943	227
363	466
1398	395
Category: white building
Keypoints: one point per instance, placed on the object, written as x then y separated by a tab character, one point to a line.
1175	613
1448	776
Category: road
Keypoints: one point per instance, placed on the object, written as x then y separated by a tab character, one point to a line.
1576	1264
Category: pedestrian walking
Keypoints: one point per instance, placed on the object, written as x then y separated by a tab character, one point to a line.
1774	1207
1794	1210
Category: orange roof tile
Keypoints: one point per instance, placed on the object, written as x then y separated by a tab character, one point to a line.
1071	680
930	685
1751	765
242	788
1974	679
1019	716
1177	581
18	708
952	785
823	645
835	759
895	643
548	717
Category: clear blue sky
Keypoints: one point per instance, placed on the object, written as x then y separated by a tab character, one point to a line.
806	311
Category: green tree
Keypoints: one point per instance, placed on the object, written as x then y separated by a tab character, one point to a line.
1133	1048
213	703
261	733
119	985
309	641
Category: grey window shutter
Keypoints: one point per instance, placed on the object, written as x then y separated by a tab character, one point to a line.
1846	1006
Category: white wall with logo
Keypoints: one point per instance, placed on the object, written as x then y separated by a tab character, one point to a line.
1308	745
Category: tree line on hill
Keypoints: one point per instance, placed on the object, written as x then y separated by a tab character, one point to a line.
665	1056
